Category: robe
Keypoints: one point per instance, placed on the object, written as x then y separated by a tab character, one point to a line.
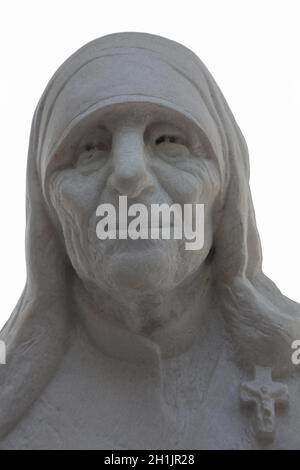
130	397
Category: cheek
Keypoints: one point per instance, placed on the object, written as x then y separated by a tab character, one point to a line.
73	198
189	181
74	193
181	186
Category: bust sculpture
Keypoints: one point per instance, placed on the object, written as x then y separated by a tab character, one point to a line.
142	344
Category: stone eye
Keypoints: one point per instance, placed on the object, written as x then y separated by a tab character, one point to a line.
89	147
169	139
100	146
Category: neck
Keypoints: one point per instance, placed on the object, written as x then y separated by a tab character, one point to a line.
167	323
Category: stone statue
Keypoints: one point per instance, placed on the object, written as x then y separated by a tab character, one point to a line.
142	344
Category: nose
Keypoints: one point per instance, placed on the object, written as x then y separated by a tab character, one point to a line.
130	174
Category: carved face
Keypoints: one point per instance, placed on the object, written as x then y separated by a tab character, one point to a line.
152	155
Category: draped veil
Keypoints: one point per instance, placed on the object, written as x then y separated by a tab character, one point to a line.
262	321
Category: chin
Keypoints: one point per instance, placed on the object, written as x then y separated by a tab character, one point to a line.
134	268
138	271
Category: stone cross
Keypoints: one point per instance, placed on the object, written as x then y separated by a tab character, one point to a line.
264	394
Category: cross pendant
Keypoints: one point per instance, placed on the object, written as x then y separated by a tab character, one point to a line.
264	394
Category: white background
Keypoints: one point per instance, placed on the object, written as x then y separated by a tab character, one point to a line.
251	48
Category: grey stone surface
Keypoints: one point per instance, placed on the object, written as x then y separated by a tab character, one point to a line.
122	344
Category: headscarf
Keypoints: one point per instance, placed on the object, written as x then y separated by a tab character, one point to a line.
138	67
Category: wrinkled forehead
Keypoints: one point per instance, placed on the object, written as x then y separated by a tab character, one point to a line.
123	77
